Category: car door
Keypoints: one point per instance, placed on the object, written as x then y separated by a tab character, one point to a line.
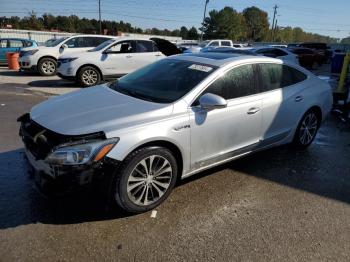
119	59
282	90
3	50
224	133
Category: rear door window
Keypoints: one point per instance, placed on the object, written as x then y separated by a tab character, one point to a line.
15	43
225	43
274	76
237	82
144	46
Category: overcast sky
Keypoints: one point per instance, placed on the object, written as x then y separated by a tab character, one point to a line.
322	16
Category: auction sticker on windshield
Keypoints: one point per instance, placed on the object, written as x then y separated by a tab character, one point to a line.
200	68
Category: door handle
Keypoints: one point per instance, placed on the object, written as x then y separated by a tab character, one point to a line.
299	98
159	55
253	110
128	56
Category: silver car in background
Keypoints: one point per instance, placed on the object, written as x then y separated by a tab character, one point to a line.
171	119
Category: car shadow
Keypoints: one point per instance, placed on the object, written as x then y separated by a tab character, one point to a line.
16	73
21	202
53	83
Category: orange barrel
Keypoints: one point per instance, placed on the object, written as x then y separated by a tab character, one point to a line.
12	60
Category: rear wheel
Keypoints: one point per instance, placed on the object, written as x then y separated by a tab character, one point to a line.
88	76
145	179
47	66
307	129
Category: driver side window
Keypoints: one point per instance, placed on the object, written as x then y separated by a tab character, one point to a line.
123	47
238	82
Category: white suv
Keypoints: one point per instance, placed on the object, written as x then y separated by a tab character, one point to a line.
113	59
44	58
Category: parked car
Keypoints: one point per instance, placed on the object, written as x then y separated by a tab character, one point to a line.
137	136
279	46
211	44
113	59
276	52
307	57
322	48
13	45
231	50
189	47
44	58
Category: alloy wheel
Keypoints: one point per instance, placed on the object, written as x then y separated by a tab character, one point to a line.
89	77
48	67
308	129
149	180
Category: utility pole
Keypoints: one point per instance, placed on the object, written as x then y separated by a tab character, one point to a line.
205	11
273	22
99	15
274	31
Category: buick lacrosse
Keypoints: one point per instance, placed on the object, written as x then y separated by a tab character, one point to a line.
171	119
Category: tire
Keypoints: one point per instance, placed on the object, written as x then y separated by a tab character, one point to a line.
47	66
88	76
133	190
307	129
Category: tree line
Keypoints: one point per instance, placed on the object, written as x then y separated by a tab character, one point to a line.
250	25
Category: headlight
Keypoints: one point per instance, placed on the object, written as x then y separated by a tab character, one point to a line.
67	60
30	52
81	153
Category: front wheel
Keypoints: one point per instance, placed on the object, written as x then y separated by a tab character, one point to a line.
144	180
307	129
88	76
47	67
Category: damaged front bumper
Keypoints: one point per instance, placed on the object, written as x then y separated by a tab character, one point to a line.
59	179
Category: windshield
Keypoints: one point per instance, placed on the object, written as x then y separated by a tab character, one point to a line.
101	46
204	43
52	43
164	81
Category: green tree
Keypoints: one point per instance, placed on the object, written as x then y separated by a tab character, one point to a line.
257	23
183	32
192	33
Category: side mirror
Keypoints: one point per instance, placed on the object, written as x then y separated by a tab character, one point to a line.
64	46
210	101
108	51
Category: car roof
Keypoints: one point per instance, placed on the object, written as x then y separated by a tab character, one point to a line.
14	38
221	59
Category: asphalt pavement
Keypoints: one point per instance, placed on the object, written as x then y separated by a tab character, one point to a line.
277	205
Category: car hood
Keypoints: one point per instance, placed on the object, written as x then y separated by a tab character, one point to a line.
40	48
166	47
96	109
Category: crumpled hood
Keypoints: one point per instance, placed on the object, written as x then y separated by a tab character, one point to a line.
96	109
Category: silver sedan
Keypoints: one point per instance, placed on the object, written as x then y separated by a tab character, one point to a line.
137	136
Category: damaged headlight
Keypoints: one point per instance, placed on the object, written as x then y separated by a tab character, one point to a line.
81	153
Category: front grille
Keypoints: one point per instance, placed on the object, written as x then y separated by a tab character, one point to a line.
41	141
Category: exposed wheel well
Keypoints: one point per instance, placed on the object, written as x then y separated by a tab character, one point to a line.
91	65
172	147
51	57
